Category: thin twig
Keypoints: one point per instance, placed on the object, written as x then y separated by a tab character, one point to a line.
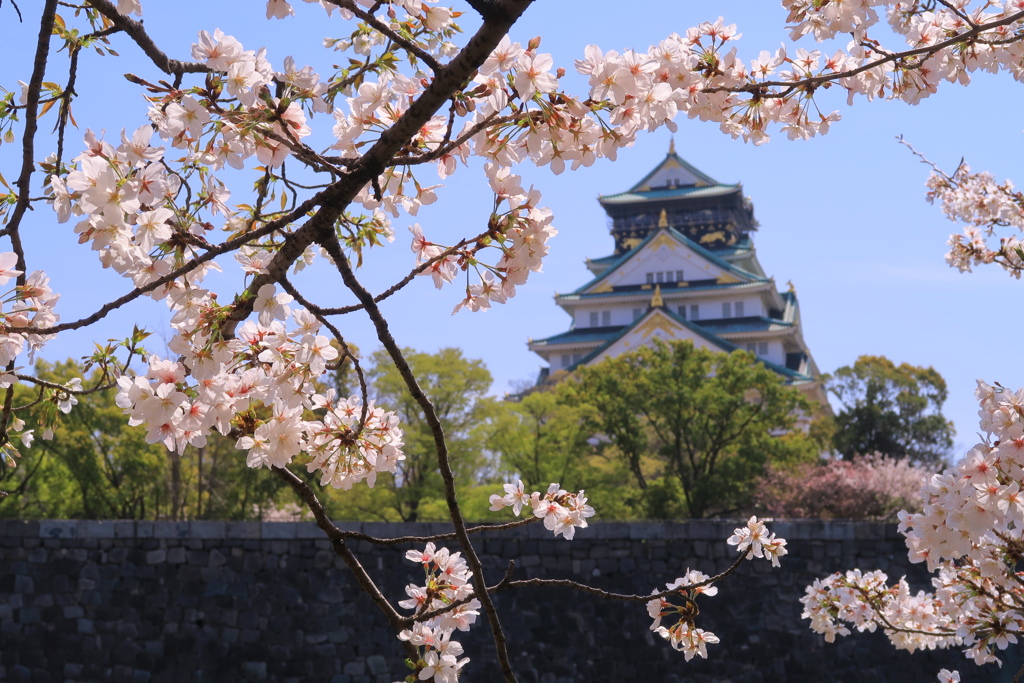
382	28
341	548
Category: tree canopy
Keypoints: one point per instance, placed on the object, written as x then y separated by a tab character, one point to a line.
702	421
893	410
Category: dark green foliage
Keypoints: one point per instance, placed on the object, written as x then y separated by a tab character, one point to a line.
695	428
892	410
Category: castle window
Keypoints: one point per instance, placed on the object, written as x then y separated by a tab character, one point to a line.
752	347
762	348
606	318
650	278
694	312
679	276
682	311
727	310
566	360
593	318
739	309
659	276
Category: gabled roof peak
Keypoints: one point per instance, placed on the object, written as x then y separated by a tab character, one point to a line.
674	172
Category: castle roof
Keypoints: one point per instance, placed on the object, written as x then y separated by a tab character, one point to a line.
606	337
738	275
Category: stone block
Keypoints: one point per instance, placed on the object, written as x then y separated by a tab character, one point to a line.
382	529
304	530
216	559
377	665
243	530
646	530
170	529
332	595
355	668
253	563
24	585
156	557
255	671
144	529
91	528
17	528
176	556
58	528
277	530
209	530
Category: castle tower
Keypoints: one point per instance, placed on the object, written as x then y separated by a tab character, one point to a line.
683	267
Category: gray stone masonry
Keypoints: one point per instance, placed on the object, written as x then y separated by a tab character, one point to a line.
156	602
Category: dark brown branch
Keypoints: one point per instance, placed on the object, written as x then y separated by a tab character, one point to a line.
138	34
20	19
31	127
341	548
214	252
626	597
448	477
810	84
13	229
433	155
31	379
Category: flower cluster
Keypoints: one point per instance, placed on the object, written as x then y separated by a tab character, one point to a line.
969	533
31	306
755	540
682	634
561	511
448	591
984	205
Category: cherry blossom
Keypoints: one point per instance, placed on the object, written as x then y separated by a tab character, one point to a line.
970	525
159	211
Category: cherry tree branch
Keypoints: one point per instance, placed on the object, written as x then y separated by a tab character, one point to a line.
448	477
13	229
341	549
811	83
212	253
138	33
626	597
382	28
395	288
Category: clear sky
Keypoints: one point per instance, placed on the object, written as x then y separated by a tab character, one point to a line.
843	217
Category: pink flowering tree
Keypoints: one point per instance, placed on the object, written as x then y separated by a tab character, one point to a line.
168	200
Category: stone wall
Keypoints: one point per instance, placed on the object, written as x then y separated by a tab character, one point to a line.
250	601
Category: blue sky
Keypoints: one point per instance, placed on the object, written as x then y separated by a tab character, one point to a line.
843	217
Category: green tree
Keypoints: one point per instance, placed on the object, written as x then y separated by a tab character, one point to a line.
543	438
457	387
695	427
892	410
93	467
